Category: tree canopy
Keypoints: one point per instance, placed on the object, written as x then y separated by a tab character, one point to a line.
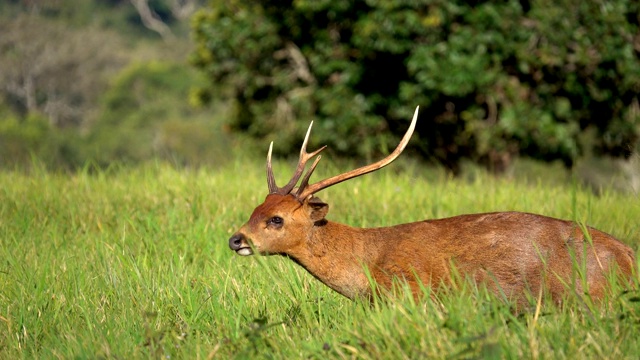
544	79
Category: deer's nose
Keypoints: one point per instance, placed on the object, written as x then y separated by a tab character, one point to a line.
236	241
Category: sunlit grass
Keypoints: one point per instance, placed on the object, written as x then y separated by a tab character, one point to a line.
134	263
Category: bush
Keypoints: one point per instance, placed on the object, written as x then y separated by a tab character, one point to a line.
28	138
146	114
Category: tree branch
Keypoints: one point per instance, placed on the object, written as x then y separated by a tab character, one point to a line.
151	20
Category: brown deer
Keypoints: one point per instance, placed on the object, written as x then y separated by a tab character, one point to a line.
512	253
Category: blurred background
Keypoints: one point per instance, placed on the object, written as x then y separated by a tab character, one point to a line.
513	87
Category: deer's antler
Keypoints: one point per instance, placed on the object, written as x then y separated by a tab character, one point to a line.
304	157
306	190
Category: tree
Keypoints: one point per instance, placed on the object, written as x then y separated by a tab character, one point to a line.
47	68
494	79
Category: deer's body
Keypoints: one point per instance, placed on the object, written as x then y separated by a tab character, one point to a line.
512	253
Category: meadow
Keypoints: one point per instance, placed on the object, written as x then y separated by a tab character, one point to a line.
131	263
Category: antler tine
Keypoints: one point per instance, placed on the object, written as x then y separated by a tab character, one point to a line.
305	180
271	180
302	162
314	188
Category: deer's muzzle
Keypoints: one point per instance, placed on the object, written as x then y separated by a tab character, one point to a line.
238	243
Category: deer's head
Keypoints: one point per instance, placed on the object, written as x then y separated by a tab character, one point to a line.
289	214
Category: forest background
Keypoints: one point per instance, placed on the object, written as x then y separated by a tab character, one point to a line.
127	82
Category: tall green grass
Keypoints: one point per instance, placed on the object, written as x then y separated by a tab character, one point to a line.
134	263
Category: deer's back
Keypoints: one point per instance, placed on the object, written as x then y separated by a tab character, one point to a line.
510	252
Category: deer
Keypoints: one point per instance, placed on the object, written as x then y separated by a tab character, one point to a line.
514	254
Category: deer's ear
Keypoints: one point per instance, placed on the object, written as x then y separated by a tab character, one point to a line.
317	209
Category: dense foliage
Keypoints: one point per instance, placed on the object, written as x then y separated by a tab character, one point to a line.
545	79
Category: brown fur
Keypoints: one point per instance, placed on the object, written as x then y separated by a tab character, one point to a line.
512	253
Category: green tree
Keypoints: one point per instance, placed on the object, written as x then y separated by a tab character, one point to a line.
494	79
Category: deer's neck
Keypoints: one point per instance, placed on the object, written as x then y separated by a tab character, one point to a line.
338	255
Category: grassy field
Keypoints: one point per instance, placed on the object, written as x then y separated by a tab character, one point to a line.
134	263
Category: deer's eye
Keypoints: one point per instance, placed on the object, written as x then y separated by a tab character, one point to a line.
275	221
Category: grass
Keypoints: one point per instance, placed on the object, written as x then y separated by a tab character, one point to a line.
134	263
